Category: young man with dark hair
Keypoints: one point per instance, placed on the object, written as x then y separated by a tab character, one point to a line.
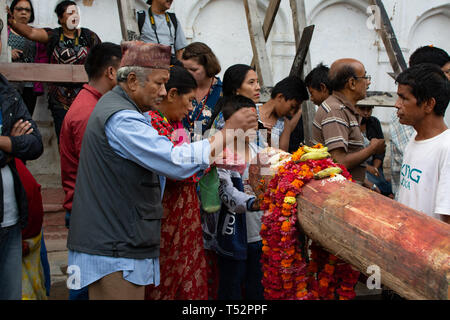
401	134
423	97
318	84
281	113
336	123
434	55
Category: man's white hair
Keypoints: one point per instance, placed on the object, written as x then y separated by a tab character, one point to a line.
140	72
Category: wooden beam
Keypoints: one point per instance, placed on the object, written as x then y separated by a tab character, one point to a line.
43	72
128	23
258	46
379	99
302	52
269	19
300	22
366	229
387	34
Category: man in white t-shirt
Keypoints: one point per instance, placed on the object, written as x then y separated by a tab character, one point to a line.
424	93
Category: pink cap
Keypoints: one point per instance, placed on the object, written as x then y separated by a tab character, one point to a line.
148	55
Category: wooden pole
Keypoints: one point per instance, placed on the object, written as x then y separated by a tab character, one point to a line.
43	72
364	228
300	22
269	19
128	23
387	34
259	47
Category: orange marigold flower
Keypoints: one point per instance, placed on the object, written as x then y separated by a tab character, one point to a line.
297	183
286	263
286	213
317	169
286	276
264	242
323	282
287	206
288	285
286	226
300	278
301	286
290	194
298	256
318	146
290	251
265	249
329	269
301	294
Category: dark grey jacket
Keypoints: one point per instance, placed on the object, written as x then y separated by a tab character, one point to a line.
25	147
117	203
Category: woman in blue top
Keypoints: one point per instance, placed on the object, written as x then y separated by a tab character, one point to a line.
201	62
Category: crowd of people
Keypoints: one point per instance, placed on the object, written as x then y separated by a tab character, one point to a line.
154	209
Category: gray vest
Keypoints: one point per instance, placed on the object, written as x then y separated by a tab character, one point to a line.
117	203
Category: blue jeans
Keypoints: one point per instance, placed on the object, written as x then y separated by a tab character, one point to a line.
381	182
242	276
11	263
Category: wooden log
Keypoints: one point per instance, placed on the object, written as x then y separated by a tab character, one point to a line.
269	19
43	72
364	228
128	23
259	47
387	34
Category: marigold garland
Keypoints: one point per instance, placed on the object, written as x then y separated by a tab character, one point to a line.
287	275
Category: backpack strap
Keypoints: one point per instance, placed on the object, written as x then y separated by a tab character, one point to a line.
141	20
174	20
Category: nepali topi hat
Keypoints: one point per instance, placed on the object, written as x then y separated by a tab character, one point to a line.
147	55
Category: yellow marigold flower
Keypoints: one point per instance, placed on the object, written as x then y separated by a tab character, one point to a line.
290	200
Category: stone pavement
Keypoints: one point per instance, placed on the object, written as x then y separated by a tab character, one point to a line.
55	235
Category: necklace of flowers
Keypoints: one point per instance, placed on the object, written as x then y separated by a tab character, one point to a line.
289	273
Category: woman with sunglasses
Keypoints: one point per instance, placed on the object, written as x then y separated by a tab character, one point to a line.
24	51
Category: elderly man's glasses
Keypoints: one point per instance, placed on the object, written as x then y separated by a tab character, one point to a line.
22	9
368	78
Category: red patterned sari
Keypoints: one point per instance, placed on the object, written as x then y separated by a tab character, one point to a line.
182	258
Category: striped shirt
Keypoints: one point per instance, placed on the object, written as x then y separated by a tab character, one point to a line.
336	125
400	136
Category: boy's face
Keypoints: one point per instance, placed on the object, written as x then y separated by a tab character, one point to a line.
318	96
286	108
408	111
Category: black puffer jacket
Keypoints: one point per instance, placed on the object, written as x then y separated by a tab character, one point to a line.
25	147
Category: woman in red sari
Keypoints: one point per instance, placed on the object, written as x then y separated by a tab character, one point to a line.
182	258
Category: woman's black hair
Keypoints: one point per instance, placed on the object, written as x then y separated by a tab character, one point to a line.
233	78
181	79
14	3
61	8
